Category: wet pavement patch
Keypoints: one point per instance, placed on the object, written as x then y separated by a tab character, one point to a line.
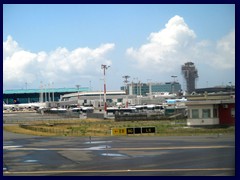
99	147
30	161
97	142
113	155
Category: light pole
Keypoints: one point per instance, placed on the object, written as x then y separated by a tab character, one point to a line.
45	92
100	94
78	95
104	67
150	88
49	95
126	81
41	93
53	91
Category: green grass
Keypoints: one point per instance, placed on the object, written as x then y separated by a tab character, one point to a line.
93	127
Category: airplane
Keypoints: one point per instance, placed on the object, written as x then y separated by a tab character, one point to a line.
8	106
23	106
164	95
173	101
31	105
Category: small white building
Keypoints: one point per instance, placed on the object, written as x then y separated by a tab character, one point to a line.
202	113
210	112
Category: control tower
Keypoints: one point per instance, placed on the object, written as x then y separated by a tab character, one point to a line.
190	74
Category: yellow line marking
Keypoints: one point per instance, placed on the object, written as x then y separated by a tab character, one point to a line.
124	170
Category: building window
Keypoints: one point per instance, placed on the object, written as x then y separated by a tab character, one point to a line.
119	100
233	112
215	113
195	113
206	113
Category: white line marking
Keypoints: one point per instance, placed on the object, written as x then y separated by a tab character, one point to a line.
103	147
123	170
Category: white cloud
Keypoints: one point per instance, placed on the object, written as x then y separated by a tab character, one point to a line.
225	52
219	55
166	49
59	66
176	44
10	47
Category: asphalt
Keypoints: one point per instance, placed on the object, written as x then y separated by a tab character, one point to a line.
27	155
118	156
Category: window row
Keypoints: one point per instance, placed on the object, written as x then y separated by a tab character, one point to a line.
205	113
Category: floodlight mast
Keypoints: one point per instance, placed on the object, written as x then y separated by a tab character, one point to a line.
126	81
78	105
105	67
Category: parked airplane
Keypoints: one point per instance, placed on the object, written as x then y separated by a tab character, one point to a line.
164	95
31	105
8	106
23	106
173	101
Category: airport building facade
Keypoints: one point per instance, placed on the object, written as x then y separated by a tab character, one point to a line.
143	89
38	95
211	109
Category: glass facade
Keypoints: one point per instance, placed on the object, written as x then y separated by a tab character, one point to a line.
144	88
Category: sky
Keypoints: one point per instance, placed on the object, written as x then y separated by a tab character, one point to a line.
65	45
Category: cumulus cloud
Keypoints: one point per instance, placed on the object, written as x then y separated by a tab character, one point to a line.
166	49
225	52
176	44
59	66
219	55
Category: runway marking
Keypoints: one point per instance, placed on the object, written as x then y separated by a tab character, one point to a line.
11	147
174	148
103	147
113	155
97	142
119	170
31	161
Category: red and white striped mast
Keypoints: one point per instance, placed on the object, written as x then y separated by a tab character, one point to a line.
104	67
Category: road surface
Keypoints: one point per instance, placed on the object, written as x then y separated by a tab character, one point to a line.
118	156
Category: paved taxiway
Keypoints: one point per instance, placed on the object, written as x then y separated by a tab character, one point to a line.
117	156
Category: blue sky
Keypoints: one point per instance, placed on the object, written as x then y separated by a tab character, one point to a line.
66	44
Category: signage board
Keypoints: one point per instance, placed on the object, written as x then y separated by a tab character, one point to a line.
137	130
119	131
148	129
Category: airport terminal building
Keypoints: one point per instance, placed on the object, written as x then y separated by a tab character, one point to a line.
38	95
143	89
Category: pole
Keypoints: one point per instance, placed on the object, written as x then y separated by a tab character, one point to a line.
53	91
140	88
104	67
126	81
150	88
41	93
45	92
78	95
49	98
100	94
